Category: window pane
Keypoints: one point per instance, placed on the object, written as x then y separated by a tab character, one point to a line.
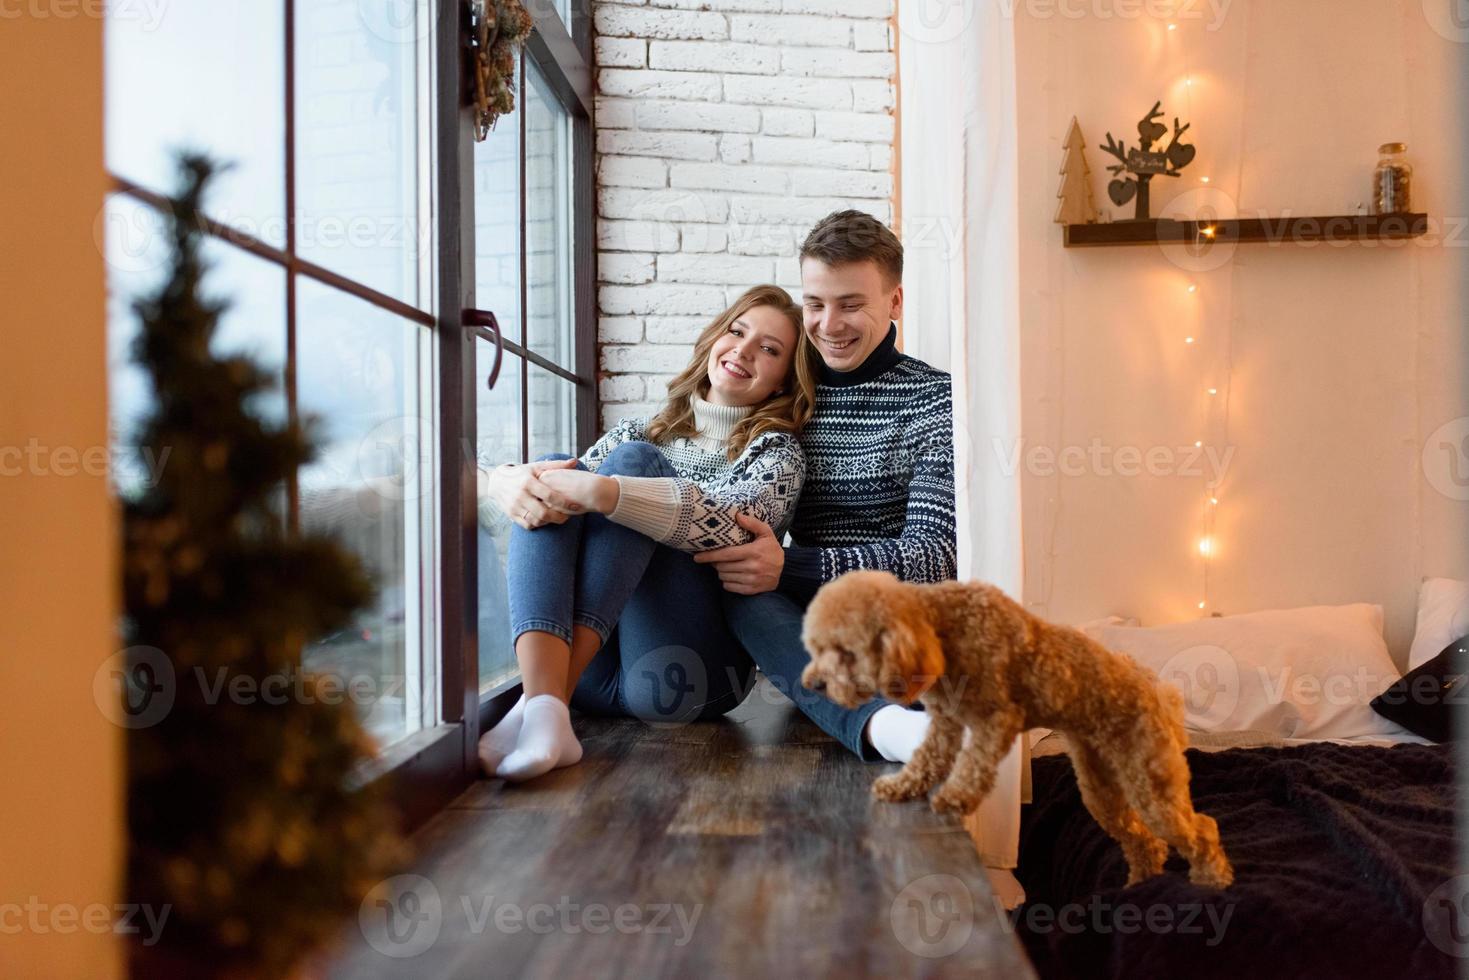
204	76
498	410
497	225
358	138
547	222
135	243
360	372
498	425
552	413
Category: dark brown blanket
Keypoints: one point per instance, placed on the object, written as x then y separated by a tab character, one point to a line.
1337	851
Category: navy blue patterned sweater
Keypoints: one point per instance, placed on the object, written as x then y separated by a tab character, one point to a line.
879	490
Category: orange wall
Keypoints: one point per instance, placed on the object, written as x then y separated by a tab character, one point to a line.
1346	361
61	761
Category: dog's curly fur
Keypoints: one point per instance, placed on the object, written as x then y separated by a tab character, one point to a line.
980	661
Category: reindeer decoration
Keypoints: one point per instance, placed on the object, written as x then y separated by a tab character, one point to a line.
1145	163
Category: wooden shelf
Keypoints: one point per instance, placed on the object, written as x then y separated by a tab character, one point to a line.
1280	231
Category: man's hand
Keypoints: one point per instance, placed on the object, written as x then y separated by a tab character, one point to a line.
751	568
516	488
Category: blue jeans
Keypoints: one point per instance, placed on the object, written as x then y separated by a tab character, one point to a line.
667	655
769	627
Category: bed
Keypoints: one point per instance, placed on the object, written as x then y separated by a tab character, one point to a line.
1343	854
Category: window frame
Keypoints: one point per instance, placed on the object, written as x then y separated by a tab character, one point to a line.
564	59
428	768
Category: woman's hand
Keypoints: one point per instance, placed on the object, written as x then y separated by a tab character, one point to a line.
587	491
521	493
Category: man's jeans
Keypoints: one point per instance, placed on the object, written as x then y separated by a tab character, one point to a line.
667	655
769	626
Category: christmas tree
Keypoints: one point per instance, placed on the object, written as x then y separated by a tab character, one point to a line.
242	818
1078	206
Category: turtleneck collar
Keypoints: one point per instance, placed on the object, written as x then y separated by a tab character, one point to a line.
716	423
883	356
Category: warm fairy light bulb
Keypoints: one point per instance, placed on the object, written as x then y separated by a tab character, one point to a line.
1205	546
1201	604
1173	27
1214	500
1213	391
1188	340
1198	443
1204	179
1207	232
1193	288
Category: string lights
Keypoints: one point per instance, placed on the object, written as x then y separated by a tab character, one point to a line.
1211	388
1206	543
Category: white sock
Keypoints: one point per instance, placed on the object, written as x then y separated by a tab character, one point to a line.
1008	891
498	742
546	741
896	732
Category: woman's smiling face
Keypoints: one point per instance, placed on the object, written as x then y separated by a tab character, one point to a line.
751	359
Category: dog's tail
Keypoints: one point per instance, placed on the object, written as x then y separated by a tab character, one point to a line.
1169	699
1170	708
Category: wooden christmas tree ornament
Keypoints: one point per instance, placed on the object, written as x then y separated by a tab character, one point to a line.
1078	206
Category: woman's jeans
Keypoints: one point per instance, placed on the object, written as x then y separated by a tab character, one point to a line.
667	655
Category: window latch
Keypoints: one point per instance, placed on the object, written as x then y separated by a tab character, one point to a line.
486	327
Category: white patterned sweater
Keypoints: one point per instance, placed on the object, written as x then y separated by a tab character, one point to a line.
695	510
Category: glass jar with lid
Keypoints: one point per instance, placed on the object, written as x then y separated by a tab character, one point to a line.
1392	180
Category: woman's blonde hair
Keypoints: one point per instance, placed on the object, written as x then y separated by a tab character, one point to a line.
785	412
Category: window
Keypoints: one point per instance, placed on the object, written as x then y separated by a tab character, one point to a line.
333	231
341	148
527	230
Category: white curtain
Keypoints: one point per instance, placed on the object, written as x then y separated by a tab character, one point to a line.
959	222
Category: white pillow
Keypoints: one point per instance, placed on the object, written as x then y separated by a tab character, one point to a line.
1443	617
1092	627
1300	673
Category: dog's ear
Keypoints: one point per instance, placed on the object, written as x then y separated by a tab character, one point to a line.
912	660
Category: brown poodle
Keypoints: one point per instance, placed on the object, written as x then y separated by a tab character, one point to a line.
979	661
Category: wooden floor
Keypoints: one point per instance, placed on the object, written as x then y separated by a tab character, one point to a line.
747	847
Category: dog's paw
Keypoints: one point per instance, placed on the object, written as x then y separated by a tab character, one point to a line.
896	788
955	803
1136	876
1219	875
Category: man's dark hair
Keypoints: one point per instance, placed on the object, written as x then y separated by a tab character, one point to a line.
843	237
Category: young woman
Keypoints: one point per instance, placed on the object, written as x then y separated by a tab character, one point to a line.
608	611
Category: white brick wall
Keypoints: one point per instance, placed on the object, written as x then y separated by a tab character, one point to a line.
725	128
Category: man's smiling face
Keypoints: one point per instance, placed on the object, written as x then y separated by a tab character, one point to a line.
847	309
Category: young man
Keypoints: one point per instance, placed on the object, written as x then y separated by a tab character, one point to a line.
879	489
879	493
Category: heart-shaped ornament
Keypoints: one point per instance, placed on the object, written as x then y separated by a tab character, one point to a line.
1181	154
1121	191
